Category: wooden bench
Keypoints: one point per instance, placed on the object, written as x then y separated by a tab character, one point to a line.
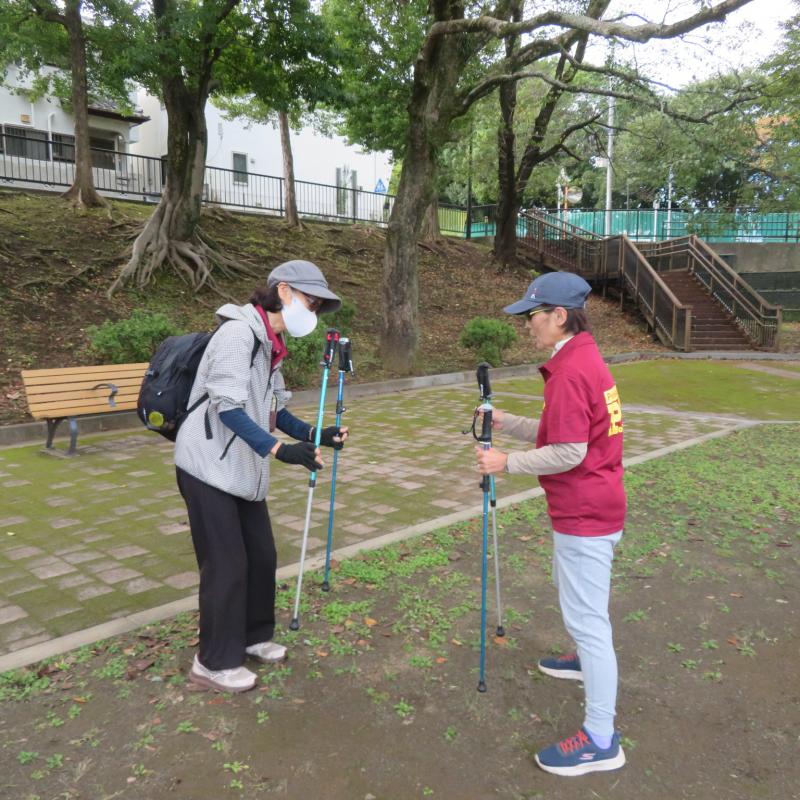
58	394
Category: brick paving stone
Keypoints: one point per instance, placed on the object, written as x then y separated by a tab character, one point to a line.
59	502
444	503
95	590
19	553
140	585
16	482
22	631
96	471
360	528
121	510
183	580
118	574
127	551
410	485
96	537
104	487
30	641
164	493
63	522
62	611
28	586
11	614
175	527
141	473
63	485
72	581
9	521
53	570
102	566
81	556
174	512
383	509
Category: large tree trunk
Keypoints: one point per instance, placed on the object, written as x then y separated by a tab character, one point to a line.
172	234
431	230
505	236
431	110
292	217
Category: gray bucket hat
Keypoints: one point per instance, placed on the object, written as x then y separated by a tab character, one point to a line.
307	278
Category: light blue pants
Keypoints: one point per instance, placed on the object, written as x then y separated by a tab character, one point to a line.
582	575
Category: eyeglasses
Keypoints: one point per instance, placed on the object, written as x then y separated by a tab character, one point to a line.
312	303
539	310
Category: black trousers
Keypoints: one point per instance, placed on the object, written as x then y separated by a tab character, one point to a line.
236	555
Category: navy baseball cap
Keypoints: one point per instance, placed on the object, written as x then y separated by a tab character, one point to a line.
563	289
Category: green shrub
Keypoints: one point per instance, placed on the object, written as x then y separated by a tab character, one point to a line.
488	338
305	354
131	340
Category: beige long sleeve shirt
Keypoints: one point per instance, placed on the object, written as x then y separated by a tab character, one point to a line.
548	460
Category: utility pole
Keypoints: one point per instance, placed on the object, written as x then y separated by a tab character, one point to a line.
612	102
669	203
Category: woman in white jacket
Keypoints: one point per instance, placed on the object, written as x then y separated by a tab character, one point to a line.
222	457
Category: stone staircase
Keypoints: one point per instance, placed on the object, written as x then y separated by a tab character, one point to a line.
713	328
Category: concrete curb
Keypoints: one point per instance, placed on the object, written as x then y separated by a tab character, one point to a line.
27	433
63	644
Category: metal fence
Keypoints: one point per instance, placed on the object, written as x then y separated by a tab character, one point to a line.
49	164
646	224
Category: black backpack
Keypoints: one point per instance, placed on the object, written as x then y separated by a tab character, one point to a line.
163	402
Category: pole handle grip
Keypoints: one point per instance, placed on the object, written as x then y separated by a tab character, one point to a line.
346	355
482	374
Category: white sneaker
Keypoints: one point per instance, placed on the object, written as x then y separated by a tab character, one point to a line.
267	652
239	679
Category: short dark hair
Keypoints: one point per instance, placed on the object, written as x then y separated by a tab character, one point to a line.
268	298
577	321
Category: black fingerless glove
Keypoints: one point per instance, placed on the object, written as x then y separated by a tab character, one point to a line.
301	453
326	437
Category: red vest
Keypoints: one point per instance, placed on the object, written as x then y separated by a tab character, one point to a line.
581	404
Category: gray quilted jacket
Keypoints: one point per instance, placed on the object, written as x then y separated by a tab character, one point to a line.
223	460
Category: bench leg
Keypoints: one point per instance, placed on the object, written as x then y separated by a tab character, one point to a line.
52	424
73	436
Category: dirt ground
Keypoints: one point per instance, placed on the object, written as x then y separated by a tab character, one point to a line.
378	700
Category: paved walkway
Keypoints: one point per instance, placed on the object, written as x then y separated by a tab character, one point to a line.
104	535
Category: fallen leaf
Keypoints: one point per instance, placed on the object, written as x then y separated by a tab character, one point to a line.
10	533
441	660
348	581
298	701
216	701
501	640
736	594
193	642
321	653
733	640
524	538
456	642
369	621
362	642
13	395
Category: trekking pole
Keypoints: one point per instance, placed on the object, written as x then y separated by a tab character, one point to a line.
345	365
331	342
486	405
489	500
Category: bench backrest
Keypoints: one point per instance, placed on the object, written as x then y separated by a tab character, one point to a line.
74	391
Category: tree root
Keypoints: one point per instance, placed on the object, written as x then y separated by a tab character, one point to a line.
194	260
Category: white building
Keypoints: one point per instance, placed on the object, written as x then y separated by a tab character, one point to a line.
245	166
37	145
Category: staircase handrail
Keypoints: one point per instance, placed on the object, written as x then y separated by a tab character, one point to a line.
658	287
555	221
649	268
719	265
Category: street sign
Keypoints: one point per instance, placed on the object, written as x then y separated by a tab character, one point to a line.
380	187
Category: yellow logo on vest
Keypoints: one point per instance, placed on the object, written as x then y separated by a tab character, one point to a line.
614	411
155	418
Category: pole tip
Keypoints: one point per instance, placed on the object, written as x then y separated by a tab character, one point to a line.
482	686
294	625
501	631
326	587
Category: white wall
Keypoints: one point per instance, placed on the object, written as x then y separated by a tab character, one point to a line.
46	113
316	157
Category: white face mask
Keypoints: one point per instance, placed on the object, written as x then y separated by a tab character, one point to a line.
299	321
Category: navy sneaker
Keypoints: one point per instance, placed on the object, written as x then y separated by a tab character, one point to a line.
579	755
568	667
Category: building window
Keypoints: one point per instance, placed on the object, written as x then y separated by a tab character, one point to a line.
63	147
240	168
103	152
26	143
